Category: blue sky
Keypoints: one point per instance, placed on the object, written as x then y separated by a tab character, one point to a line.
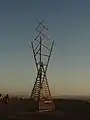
69	26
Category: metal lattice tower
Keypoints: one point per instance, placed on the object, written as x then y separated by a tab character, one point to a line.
42	48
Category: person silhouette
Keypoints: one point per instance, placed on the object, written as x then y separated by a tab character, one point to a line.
6	99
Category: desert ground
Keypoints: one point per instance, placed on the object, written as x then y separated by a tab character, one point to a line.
66	109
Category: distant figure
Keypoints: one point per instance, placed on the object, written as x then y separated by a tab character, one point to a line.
6	99
0	96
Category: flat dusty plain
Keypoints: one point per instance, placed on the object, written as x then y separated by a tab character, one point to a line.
66	109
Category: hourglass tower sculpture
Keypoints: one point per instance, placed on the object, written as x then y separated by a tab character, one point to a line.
42	47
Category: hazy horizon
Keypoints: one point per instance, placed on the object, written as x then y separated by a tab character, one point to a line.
69	26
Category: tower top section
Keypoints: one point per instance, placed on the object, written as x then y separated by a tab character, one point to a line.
42	46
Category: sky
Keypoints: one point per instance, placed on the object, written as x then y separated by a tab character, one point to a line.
69	26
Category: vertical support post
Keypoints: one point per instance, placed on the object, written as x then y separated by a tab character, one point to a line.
40	50
40	74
